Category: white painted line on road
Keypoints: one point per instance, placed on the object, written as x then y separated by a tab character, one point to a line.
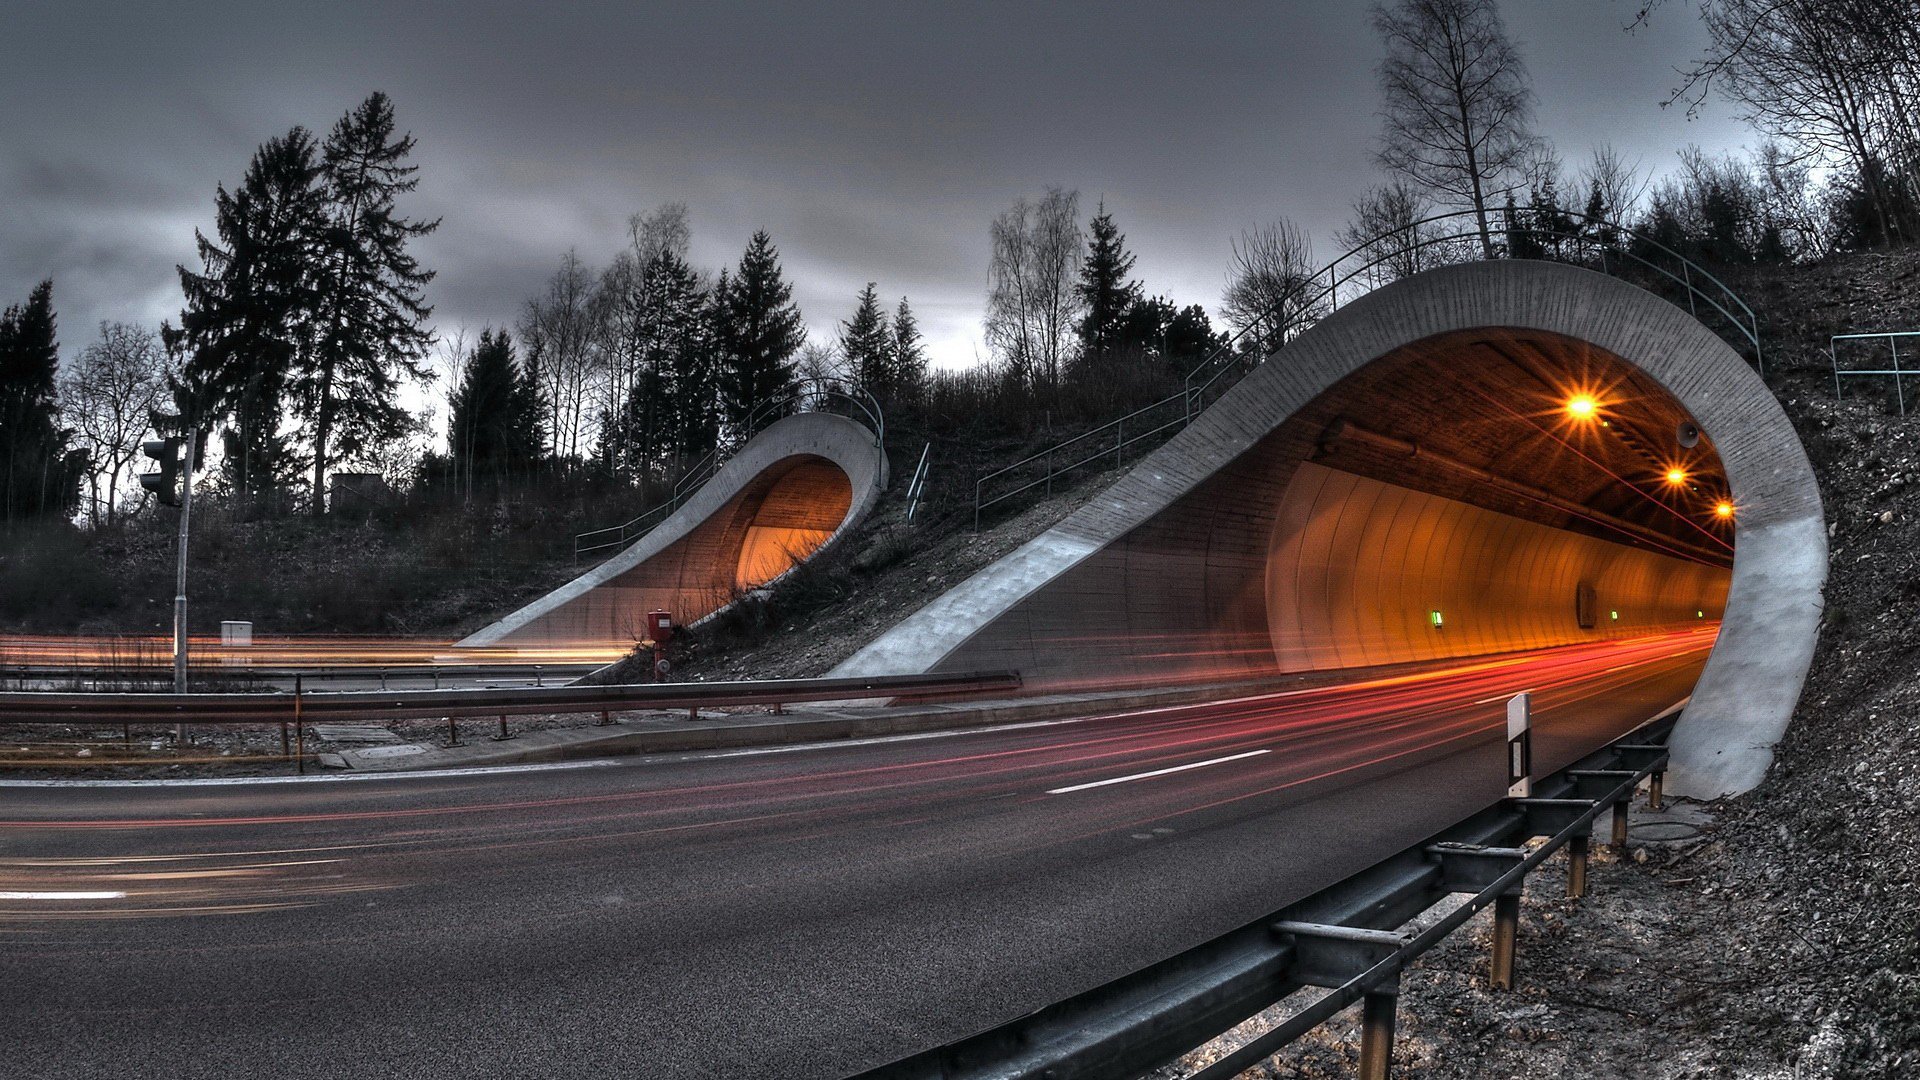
1159	772
318	778
62	896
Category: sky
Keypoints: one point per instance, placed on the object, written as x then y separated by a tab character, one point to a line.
874	141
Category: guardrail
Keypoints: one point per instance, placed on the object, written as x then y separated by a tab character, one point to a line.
1340	939
1312	297
1899	374
19	707
158	673
809	391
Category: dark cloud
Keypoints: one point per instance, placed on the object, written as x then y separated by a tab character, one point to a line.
875	141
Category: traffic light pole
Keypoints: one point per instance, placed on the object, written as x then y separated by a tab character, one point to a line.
180	582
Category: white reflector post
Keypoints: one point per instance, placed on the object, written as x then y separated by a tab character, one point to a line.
1520	746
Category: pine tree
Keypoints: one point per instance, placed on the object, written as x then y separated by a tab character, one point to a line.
1104	290
368	313
41	475
494	426
867	344
248	312
909	355
759	332
669	406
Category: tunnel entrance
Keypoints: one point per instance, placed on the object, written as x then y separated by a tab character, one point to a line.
1439	395
1486	491
780	499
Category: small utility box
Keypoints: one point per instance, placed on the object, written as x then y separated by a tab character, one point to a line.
236	634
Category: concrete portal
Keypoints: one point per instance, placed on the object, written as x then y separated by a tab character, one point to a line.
1404	481
790	492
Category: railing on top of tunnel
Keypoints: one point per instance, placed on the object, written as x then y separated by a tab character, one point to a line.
799	396
1592	242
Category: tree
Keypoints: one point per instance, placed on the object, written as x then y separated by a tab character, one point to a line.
368	311
1180	337
110	395
1837	79
248	311
1270	293
1104	291
1389	234
760	331
1032	307
663	232
909	355
494	426
1455	101
669	404
41	475
866	344
560	329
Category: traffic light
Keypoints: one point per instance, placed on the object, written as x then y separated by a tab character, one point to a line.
164	484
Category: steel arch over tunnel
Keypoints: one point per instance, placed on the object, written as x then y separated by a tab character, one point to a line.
1405	482
785	496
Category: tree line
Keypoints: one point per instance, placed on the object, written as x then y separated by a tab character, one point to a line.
305	313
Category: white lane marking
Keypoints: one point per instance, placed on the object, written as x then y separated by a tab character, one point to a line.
62	896
318	778
1159	772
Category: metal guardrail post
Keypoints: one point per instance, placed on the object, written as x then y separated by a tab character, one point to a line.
1506	932
299	729
1619	838
1377	1015
1656	785
1577	853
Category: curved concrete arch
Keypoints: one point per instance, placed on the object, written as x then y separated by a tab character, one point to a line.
790	493
1171	546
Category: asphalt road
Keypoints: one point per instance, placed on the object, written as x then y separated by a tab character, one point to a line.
794	912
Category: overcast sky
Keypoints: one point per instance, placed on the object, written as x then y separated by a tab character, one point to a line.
874	141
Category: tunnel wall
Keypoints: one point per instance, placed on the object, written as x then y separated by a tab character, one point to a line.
1165	555
788	493
1357	567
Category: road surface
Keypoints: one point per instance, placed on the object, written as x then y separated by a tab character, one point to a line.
794	912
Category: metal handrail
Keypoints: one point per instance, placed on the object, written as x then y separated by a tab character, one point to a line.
918	485
1893	342
1308	293
703	470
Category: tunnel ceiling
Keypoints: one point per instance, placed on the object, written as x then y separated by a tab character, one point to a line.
1481	416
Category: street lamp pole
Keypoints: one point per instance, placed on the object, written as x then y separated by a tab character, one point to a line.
180	580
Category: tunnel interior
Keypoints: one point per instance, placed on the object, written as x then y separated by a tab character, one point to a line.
1477	492
780	517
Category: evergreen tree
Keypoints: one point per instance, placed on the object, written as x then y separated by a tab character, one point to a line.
494	426
247	315
909	355
1104	290
368	313
41	475
759	332
669	404
867	343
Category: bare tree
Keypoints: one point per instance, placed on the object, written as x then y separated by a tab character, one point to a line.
109	396
1271	294
1455	101
1032	307
1389	235
663	232
1621	184
561	328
